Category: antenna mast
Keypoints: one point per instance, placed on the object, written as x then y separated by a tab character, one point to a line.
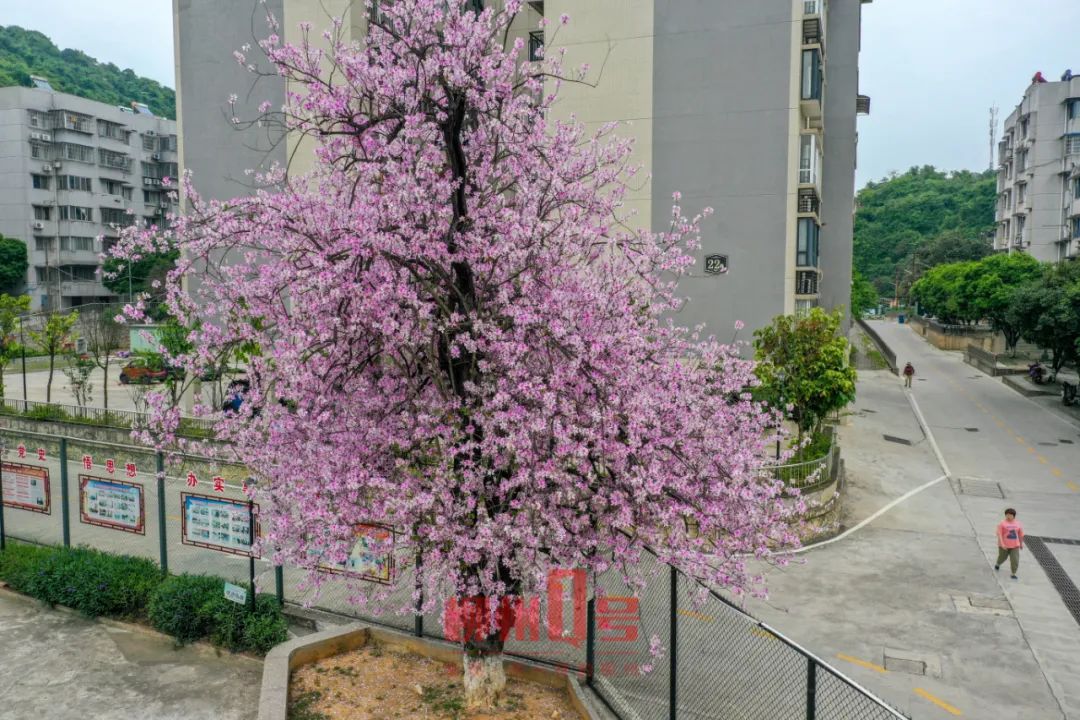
993	133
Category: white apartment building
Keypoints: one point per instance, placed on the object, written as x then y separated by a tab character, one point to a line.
1038	202
746	107
72	172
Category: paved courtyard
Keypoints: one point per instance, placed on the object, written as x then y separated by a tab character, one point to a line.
58	666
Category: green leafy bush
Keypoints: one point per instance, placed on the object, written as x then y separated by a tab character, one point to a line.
90	581
187	607
191	607
180	606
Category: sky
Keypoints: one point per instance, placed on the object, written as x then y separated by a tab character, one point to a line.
933	68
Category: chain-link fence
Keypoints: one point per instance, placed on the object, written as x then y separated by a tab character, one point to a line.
671	650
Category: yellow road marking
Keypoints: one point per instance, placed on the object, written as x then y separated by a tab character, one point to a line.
1057	471
1041	459
697	615
1031	449
1000	424
762	633
860	663
940	703
1072	486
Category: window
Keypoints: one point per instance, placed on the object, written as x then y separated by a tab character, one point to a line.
109	158
40	182
78	153
115	187
1076	227
536	46
39	152
1076	188
42	213
39	120
167	143
1021	193
1021	161
112	130
811	75
1072	106
149	143
1020	222
67	120
150	197
807	251
41	244
73	182
77	243
152	170
1072	144
808	159
1024	127
76	212
116	216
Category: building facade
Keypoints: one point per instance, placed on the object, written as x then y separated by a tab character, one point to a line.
746	107
72	172
1038	202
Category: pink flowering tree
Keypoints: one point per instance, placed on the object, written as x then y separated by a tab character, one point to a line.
451	327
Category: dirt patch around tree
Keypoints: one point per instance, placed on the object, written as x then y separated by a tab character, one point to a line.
376	682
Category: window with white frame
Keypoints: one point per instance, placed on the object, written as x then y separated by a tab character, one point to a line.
42	212
1072	144
76	212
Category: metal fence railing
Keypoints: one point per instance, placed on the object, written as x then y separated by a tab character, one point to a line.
713	661
122	419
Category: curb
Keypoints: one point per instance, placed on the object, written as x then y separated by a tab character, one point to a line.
286	657
201	646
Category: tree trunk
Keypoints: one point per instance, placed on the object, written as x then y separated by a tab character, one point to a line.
484	677
48	386
105	382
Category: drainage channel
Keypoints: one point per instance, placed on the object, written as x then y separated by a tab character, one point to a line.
1060	579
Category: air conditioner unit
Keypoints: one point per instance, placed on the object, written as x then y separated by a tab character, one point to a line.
155	156
147	181
164	205
39	226
47	169
151	132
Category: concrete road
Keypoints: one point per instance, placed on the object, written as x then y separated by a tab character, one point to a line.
909	604
45	673
121	397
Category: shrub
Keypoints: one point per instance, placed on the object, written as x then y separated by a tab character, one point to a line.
181	606
191	607
90	581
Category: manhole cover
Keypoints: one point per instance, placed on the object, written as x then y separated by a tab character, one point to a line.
1047	444
897	440
904	665
922	379
981	488
911	662
972	429
873	412
990	603
1065	442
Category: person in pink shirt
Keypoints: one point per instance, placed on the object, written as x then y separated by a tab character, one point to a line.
1010	537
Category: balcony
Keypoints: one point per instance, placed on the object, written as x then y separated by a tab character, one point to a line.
806	282
810	91
82	288
810	159
813	30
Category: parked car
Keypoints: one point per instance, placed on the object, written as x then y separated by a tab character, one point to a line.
139	371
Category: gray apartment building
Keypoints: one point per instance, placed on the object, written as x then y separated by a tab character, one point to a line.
1038	202
746	107
72	172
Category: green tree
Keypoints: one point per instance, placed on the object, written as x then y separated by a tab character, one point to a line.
27	52
803	361
993	283
1047	311
13	264
945	293
103	336
864	296
955	245
11	310
154	266
52	337
904	213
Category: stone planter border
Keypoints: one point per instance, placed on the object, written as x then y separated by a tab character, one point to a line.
283	659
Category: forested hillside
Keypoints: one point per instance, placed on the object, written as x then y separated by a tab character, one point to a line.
27	52
924	208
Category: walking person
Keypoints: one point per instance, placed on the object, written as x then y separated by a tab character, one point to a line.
1010	537
909	372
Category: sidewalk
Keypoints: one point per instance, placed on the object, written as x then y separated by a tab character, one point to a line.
58	666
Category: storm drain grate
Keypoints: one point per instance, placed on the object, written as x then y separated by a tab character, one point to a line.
1058	541
1065	442
1048	444
897	440
1058	577
911	667
981	488
972	429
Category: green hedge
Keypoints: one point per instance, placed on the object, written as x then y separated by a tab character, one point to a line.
188	607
